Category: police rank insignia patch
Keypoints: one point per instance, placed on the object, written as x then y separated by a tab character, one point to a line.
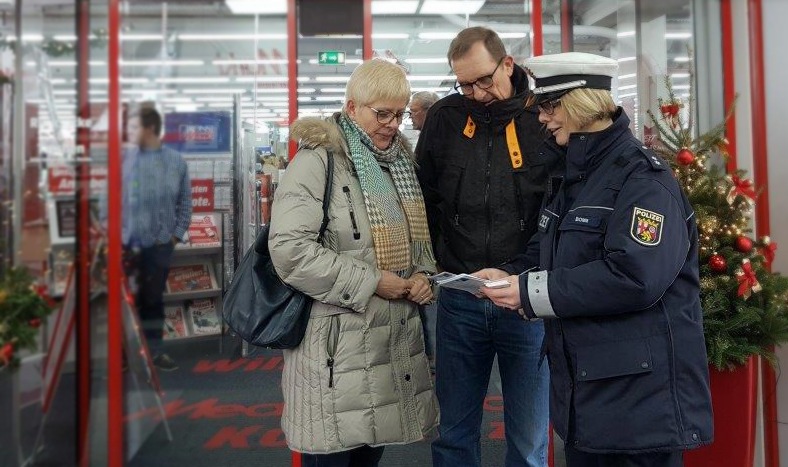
646	226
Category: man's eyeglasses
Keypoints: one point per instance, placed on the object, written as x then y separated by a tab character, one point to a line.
485	82
550	106
385	116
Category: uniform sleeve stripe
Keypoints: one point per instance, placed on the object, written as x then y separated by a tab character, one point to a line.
539	295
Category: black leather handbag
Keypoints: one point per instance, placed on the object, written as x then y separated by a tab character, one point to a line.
258	306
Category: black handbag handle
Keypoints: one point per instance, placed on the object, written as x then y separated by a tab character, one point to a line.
326	194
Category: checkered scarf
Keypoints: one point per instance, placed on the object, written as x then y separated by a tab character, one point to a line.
400	242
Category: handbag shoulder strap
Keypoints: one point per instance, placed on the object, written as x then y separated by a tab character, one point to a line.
327	193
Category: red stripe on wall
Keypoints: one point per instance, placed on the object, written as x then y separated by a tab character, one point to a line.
367	42
729	89
116	433
536	25
292	71
762	216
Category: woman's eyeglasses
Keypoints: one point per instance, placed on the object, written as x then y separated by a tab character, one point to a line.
385	116
550	106
485	82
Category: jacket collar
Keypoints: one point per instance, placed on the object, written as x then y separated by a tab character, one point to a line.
586	150
506	109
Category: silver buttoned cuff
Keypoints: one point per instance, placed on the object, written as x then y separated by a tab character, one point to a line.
539	296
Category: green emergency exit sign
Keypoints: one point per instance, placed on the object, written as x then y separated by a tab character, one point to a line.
331	57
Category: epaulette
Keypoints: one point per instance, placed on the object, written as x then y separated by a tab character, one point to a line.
657	163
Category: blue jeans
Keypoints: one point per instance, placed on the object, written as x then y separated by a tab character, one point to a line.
471	331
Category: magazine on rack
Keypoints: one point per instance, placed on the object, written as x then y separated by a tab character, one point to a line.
466	282
190	277
205	320
174	322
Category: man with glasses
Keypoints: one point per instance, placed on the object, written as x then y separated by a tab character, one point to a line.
483	177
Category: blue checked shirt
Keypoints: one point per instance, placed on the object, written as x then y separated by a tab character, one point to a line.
157	199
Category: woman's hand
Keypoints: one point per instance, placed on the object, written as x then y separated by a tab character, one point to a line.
506	297
392	287
420	289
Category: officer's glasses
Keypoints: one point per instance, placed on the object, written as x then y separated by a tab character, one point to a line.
550	106
385	116
485	82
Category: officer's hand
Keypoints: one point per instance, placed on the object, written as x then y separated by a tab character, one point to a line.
490	274
507	297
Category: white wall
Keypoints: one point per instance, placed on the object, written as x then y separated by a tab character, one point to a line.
775	37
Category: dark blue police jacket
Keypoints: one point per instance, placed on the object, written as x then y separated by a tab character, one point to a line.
618	267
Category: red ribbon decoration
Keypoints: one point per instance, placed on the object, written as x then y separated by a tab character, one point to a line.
741	187
748	282
670	110
768	251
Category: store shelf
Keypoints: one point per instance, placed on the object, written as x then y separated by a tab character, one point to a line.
192	295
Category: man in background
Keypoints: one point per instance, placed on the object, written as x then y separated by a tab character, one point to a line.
157	209
420	103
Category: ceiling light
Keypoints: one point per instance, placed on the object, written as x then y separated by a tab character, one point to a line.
261	79
251	7
631	75
432	78
681	59
625	34
625	59
162	62
390	35
440	7
306	90
512	35
680	75
230	37
628	86
678	35
332	79
427	60
213	91
437	35
194	80
394	7
250	62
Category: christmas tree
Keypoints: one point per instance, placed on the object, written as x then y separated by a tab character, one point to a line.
23	306
745	305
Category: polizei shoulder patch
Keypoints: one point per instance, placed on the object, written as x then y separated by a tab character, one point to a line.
646	226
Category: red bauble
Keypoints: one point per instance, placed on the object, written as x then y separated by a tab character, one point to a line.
7	353
685	157
718	264
35	323
743	244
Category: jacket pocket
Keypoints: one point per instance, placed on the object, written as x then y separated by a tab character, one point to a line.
624	377
332	341
450	184
582	235
351	213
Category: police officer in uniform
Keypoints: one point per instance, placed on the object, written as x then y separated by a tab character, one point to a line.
613	272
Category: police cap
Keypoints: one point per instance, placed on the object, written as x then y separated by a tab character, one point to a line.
555	75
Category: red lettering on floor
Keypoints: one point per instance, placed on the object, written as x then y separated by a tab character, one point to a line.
493	403
232	436
219	366
498	431
274	438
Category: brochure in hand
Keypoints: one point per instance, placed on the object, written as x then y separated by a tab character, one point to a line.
466	282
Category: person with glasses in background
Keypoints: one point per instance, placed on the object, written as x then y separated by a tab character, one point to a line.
360	379
483	176
613	274
420	103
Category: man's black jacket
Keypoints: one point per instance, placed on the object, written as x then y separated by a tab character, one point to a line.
481	209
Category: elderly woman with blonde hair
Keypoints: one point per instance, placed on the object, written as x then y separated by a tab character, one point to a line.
360	380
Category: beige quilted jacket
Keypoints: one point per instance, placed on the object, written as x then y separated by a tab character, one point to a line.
360	376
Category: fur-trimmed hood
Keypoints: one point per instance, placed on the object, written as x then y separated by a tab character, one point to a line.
313	132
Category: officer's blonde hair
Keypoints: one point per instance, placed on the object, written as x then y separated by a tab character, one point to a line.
584	106
377	80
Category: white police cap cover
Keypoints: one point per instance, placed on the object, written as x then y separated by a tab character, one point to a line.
560	73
